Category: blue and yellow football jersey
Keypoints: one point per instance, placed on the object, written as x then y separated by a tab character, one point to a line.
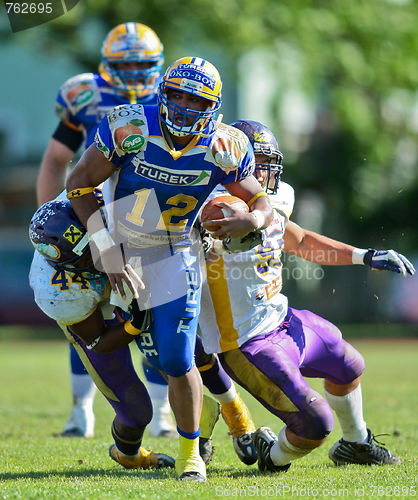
85	99
159	190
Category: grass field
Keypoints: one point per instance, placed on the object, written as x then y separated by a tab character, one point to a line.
35	402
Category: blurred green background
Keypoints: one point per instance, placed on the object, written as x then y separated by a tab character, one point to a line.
335	81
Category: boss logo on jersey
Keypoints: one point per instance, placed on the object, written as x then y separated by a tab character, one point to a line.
188	72
134	110
72	234
171	177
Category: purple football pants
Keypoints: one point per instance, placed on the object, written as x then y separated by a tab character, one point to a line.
116	378
272	368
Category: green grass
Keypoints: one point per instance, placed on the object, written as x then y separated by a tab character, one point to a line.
35	403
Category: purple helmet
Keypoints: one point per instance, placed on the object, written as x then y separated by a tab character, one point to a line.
56	233
263	142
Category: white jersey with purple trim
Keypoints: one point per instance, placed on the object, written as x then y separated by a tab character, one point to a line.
65	297
241	298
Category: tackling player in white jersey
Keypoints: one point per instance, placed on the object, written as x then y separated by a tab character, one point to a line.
268	347
71	291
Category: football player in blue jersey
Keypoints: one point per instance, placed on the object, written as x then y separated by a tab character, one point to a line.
159	163
132	59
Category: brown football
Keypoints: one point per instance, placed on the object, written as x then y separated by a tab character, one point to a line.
212	212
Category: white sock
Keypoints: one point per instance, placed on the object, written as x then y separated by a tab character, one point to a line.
282	452
349	411
83	389
157	391
227	396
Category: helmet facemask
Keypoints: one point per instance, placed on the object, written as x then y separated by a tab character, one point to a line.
198	77
128	44
272	164
200	120
140	82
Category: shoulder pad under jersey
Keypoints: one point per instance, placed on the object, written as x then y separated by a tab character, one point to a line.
284	200
128	126
228	147
76	93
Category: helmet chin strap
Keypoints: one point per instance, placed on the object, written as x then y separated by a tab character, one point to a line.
217	123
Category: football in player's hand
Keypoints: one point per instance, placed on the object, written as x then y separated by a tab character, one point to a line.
212	212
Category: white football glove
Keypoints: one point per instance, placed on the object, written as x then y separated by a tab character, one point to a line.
388	260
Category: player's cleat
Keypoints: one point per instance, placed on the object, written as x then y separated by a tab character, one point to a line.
367	453
80	422
263	439
161	424
238	419
245	449
191	469
206	449
144	459
74	432
192	476
211	410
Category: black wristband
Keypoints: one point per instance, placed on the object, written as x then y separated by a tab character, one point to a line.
368	256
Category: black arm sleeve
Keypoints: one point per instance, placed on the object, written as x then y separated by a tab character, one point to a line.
68	136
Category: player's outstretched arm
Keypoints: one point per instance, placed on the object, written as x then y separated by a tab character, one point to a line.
326	251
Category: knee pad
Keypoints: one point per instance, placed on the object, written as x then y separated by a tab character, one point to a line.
353	364
204	360
176	367
314	421
201	357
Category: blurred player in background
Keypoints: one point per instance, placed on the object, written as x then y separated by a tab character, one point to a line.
132	59
268	348
161	163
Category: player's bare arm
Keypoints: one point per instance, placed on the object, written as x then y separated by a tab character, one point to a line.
240	223
316	247
326	251
101	338
51	178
